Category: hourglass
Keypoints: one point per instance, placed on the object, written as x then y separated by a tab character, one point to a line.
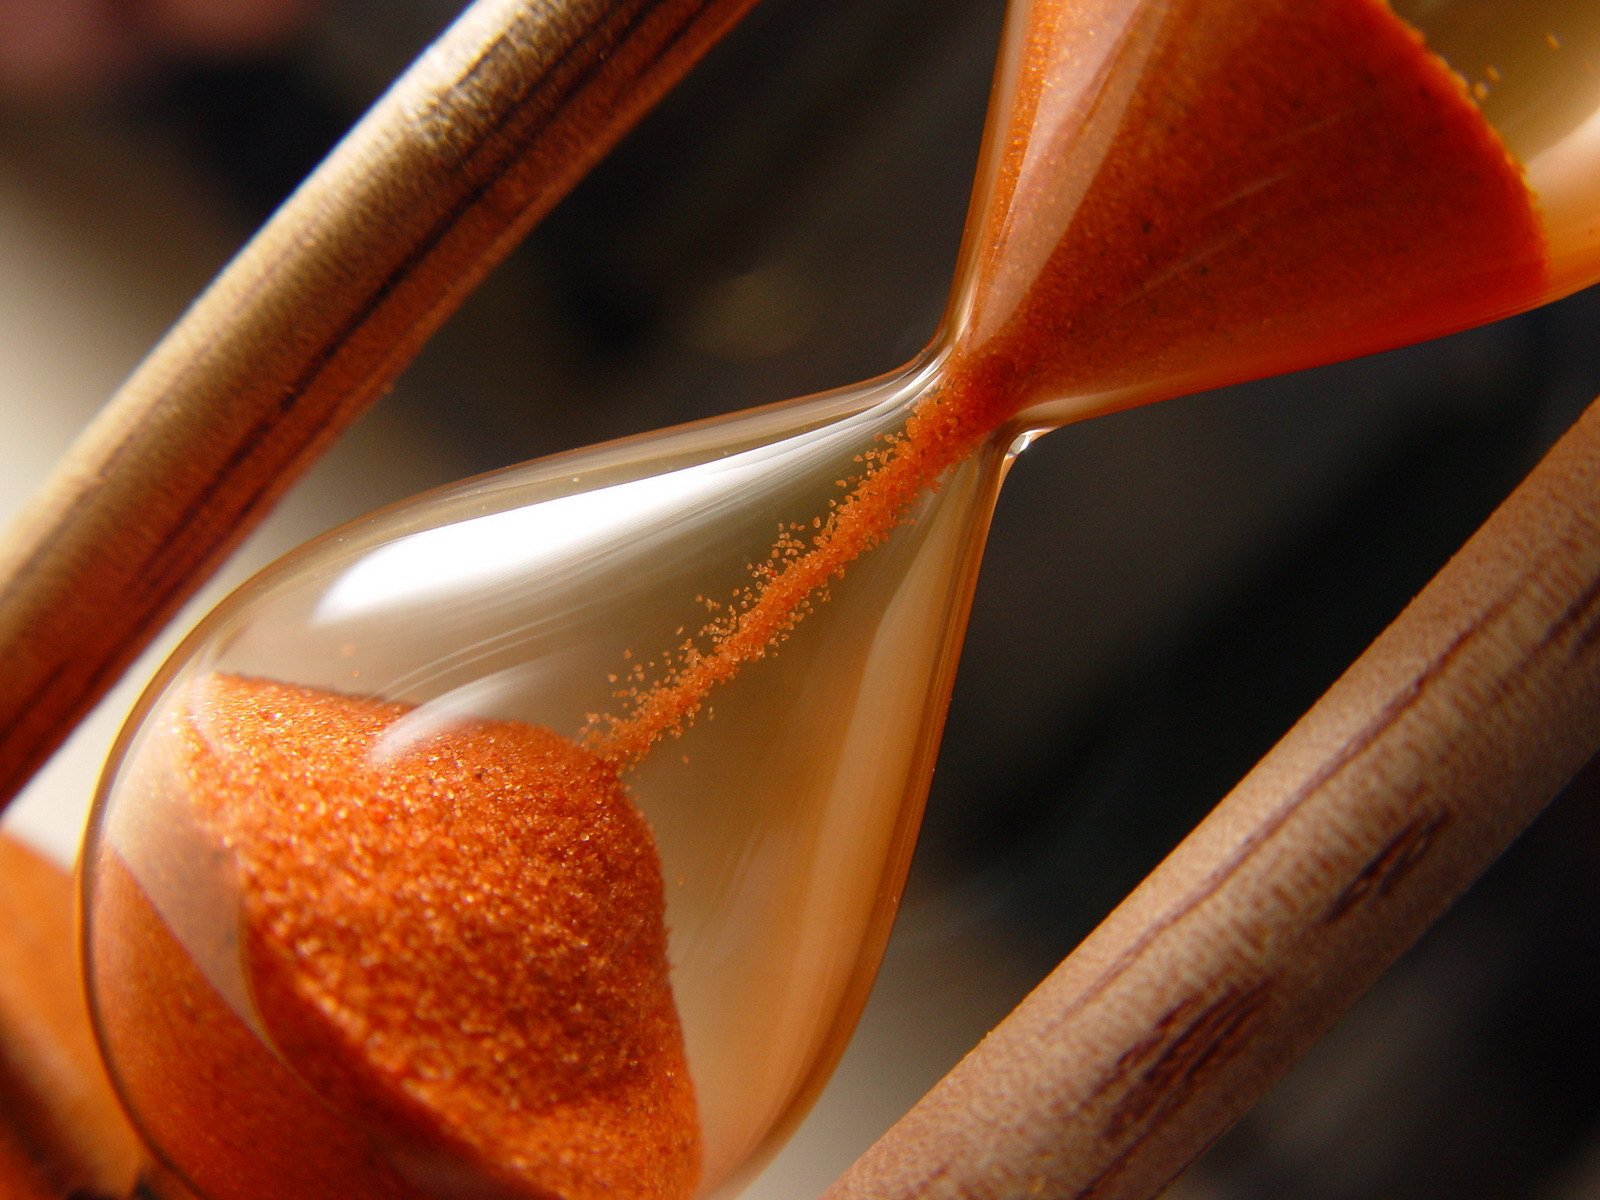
539	837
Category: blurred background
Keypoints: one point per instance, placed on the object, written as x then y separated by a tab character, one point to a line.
1165	590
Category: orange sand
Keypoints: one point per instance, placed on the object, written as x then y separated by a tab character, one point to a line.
461	940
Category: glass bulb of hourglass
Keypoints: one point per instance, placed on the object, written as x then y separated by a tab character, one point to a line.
540	836
537	595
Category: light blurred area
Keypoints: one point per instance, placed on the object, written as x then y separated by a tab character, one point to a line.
1165	592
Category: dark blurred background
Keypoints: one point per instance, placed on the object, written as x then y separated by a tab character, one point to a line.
1165	592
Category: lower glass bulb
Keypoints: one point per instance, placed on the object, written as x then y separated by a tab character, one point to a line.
474	937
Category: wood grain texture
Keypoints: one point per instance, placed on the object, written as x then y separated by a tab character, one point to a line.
1380	807
308	325
61	1131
